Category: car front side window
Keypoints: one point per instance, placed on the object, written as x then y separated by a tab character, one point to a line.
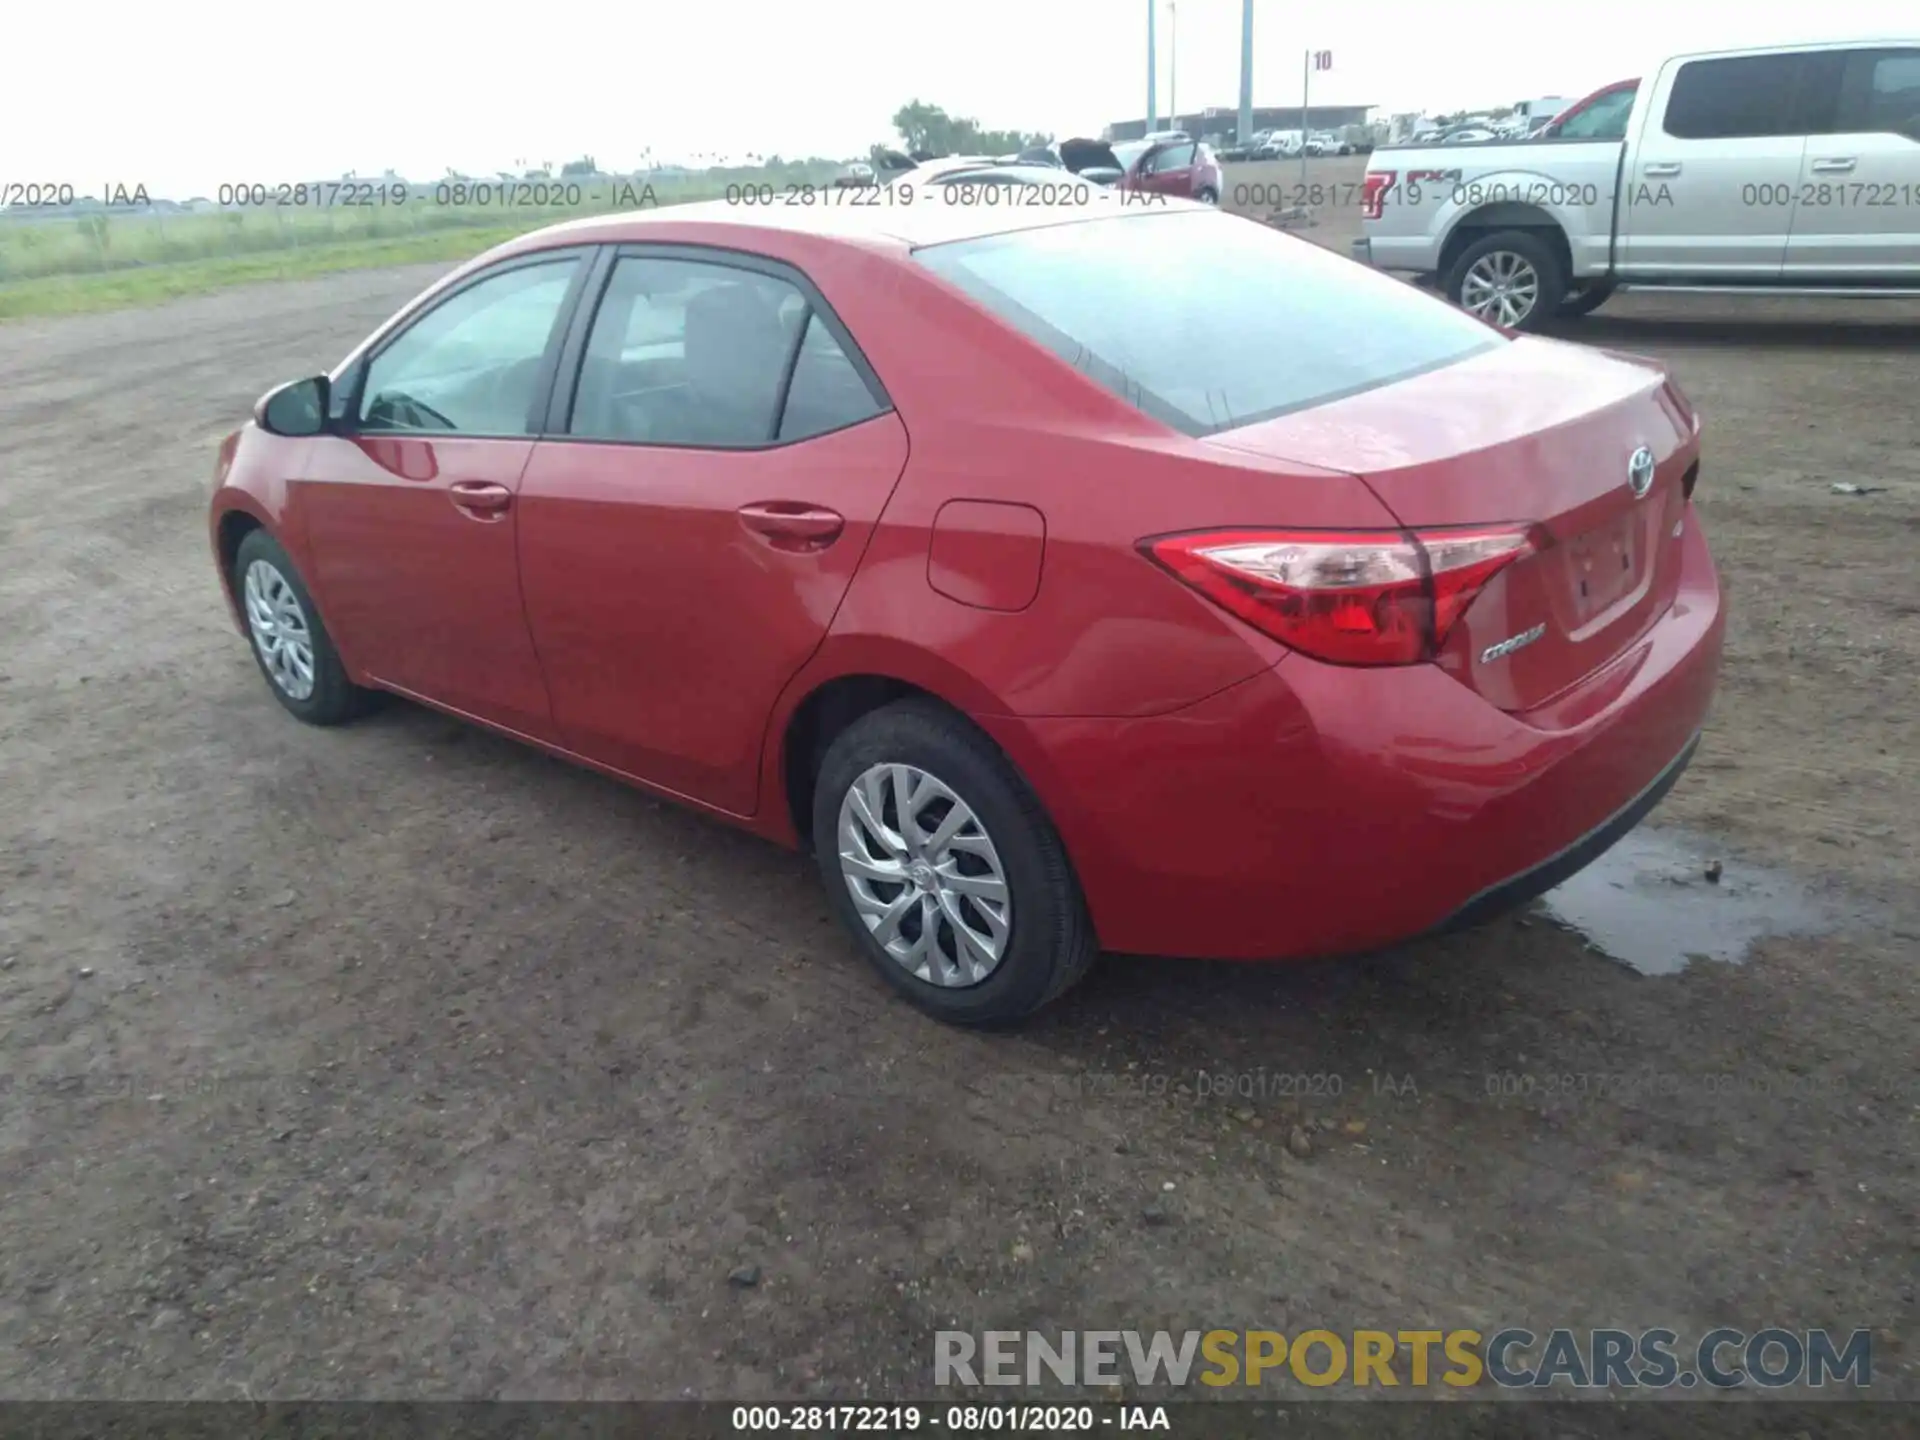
1883	93
471	365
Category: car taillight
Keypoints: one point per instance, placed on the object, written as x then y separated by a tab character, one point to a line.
1373	192
1371	597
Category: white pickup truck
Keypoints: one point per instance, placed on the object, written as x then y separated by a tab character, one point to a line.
1786	169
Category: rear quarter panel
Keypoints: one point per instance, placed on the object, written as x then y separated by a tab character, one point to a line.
1436	190
992	417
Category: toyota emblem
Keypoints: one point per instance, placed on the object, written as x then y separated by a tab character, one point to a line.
1640	472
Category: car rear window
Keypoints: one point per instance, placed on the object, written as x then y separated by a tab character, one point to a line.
1207	321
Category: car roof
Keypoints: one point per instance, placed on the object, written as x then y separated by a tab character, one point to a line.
1037	174
900	217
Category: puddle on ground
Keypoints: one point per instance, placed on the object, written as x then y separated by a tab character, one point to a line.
1648	903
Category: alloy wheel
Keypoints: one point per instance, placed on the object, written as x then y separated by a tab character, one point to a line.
1501	286
280	630
924	875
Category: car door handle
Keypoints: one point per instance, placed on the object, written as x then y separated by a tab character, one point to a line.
791	525
1837	166
479	498
1668	167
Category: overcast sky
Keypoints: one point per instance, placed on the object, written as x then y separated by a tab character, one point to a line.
181	97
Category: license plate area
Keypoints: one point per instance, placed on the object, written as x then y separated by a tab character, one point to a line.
1603	567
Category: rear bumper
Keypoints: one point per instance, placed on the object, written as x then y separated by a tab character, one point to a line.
1531	884
1363	251
1320	810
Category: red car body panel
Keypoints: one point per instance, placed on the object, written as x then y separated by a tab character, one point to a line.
1551	447
428	592
1217	793
674	681
1185	182
1321	810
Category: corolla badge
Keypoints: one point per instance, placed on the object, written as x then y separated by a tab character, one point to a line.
1640	472
1512	643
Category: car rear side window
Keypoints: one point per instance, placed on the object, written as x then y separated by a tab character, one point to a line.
1882	93
683	352
1738	98
827	393
1207	321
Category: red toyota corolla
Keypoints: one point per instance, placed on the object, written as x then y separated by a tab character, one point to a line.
1126	577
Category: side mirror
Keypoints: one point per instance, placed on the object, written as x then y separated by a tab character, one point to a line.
297	409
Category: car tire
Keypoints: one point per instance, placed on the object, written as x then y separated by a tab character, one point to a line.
1044	937
1208	196
1585	301
1515	258
289	641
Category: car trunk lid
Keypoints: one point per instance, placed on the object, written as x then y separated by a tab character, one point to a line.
1535	432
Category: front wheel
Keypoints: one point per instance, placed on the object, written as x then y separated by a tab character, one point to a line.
1511	278
290	643
942	864
1208	196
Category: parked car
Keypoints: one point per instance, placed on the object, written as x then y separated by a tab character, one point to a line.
1057	185
1327	143
1366	588
1091	160
1040	155
1740	171
1183	168
892	164
927	170
1467	135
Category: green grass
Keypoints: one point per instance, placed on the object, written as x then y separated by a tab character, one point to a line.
71	266
129	288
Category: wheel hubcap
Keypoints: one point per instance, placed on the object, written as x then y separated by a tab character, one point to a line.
280	630
924	876
1502	287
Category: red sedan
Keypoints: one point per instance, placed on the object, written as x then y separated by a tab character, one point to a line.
1125	576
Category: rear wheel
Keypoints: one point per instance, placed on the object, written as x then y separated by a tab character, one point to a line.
944	868
1208	196
290	643
1510	278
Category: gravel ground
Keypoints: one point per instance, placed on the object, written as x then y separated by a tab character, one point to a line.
399	1061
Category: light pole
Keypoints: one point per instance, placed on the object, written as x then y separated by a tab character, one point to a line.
1153	113
1173	65
1245	127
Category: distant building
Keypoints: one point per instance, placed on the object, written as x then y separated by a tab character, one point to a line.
1225	121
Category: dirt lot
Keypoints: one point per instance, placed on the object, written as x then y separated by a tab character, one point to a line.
400	1061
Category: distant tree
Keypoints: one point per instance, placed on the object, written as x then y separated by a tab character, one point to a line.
583	166
928	129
